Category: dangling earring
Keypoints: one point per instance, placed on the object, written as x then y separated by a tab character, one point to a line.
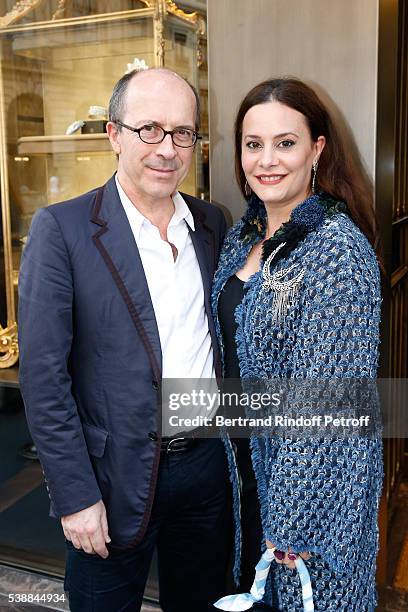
314	169
247	189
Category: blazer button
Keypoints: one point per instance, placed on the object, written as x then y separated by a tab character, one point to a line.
155	385
153	436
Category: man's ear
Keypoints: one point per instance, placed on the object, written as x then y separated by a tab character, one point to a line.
114	136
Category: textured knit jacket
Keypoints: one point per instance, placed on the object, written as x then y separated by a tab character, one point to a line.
317	495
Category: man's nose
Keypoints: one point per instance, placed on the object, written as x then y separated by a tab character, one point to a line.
166	147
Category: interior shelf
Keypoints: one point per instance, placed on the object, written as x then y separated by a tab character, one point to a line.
75	143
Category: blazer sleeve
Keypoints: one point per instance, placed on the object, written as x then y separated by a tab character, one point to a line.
45	337
323	493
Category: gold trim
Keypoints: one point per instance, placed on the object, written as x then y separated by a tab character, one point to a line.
153	8
89	19
20	10
59	13
158	30
195	18
5	207
173	9
8	346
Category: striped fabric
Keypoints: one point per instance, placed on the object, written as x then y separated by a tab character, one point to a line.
245	601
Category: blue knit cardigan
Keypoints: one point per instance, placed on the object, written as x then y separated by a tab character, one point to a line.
316	495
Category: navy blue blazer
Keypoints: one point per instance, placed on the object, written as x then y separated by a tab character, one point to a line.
90	355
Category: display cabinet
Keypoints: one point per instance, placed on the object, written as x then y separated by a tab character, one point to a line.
58	64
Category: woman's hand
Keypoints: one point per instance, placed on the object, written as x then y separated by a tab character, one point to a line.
287	558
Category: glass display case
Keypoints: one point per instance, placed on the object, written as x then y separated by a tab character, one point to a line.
58	64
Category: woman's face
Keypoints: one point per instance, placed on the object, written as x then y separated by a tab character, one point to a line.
278	153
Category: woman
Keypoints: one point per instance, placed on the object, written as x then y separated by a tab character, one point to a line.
301	276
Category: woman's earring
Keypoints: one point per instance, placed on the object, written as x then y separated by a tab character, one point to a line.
247	189
314	169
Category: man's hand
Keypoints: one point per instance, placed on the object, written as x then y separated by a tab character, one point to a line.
288	557
88	529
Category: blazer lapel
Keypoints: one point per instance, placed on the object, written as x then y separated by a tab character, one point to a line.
203	240
202	249
116	244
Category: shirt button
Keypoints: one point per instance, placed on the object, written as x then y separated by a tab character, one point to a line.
155	385
153	436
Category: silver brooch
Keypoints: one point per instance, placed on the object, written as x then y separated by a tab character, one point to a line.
283	291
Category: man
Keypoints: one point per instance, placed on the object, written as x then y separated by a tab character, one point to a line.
114	296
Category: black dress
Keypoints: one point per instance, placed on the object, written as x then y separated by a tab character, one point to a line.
229	299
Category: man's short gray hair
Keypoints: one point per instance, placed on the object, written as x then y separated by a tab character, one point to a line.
117	102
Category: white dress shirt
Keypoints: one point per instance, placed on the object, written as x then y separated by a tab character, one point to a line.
176	290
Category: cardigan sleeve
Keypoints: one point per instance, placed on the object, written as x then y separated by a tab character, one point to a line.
323	492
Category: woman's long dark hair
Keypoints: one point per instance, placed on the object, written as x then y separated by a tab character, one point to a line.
337	174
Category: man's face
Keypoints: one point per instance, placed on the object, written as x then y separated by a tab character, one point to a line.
152	172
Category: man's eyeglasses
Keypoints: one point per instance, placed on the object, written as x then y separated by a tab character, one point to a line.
153	134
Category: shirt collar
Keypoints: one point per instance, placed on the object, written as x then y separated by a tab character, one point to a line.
181	210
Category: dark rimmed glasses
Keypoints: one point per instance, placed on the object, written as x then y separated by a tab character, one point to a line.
152	133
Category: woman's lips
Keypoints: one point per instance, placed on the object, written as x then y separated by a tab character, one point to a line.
270	179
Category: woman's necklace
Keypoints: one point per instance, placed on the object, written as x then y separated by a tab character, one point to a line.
306	217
